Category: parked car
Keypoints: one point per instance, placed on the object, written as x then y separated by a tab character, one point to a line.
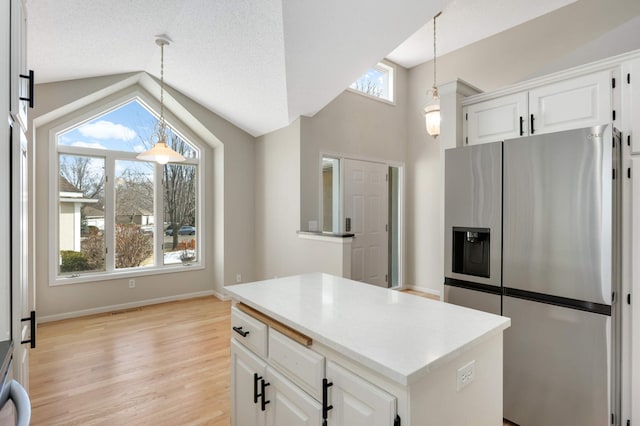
184	230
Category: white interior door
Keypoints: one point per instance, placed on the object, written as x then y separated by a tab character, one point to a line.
366	214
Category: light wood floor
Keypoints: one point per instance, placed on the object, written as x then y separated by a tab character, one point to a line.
162	365
166	364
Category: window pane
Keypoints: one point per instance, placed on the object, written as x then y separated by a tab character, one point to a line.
180	239
134	214
128	128
377	82
81	214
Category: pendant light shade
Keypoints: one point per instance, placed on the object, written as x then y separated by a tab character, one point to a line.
432	119
432	111
161	153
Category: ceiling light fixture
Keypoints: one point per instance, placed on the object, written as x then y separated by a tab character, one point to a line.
161	153
432	111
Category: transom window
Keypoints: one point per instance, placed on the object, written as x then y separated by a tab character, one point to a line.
120	214
376	82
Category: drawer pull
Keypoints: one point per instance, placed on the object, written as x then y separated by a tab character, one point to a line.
255	387
240	331
325	400
264	402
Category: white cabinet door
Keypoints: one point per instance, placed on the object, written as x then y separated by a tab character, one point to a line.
357	402
496	120
631	104
571	104
247	373
635	290
288	404
19	85
5	142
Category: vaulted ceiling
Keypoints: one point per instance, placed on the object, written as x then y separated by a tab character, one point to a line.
258	63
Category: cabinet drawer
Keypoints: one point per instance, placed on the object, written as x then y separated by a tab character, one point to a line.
249	331
304	365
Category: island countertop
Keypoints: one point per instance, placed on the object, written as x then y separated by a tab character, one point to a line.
401	336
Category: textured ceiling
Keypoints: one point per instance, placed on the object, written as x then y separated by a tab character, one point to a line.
258	63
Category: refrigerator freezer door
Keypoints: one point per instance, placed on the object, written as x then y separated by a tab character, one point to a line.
473	299
473	195
558	214
556	365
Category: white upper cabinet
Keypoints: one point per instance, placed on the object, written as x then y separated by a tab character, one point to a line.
496	119
571	104
21	78
631	104
568	104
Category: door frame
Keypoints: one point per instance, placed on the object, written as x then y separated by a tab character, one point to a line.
401	200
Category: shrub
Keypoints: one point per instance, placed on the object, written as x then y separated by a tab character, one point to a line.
132	246
73	261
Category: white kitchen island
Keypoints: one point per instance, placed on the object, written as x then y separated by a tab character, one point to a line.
313	348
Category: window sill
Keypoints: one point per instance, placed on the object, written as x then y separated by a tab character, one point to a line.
375	98
112	276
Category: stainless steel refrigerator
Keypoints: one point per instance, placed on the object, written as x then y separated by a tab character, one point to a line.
559	269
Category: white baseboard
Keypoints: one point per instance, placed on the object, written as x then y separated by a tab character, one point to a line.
129	305
427	290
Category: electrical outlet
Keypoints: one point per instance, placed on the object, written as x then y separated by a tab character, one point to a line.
238	278
132	283
465	375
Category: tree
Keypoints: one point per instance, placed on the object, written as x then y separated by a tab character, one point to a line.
179	191
85	173
134	195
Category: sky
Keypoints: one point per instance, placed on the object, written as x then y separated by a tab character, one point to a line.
127	128
123	129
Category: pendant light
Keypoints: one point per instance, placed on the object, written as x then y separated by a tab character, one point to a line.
161	153
432	111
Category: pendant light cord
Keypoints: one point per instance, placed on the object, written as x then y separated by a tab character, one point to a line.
435	89
162	131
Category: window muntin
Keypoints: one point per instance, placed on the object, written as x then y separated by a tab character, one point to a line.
377	82
127	217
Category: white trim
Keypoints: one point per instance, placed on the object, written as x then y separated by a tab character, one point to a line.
128	305
426	290
123	273
89	112
390	70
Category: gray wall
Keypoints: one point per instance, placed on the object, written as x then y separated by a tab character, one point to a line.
229	201
351	125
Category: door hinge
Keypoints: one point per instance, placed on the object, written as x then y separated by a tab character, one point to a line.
614	115
466	117
396	421
386	278
629	299
629	172
613	297
466	140
613	83
628	78
628	140
613	418
614	174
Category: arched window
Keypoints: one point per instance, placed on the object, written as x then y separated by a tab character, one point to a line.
116	213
